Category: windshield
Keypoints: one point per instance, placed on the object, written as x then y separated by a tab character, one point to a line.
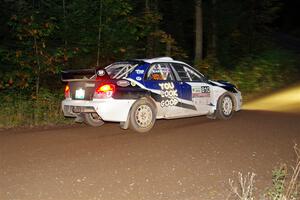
120	70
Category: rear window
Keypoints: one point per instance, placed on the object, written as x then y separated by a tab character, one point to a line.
120	70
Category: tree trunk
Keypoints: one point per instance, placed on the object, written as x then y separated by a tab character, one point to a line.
147	6
156	41
149	38
168	48
214	28
99	33
65	23
198	31
38	72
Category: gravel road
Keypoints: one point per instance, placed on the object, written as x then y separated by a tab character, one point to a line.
184	159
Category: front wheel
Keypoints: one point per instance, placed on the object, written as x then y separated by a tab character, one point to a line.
142	116
225	107
93	119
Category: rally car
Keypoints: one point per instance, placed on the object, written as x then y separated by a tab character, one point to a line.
137	92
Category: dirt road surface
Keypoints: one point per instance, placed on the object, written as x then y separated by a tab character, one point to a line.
189	159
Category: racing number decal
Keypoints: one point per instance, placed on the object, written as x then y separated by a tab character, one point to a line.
202	91
205	89
169	94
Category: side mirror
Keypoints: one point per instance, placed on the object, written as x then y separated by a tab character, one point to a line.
206	78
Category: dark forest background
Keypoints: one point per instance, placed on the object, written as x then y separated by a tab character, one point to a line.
253	43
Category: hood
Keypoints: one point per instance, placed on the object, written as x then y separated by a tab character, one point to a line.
225	85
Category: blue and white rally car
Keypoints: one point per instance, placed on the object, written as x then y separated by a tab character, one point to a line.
137	92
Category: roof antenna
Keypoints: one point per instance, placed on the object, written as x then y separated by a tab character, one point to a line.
99	33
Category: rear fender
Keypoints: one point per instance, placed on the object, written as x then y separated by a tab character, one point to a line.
125	125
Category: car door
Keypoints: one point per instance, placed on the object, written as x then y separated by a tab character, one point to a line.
165	90
196	93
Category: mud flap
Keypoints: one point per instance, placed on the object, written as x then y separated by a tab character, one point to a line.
125	125
212	115
79	119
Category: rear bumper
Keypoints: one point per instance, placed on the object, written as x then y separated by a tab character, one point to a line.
108	109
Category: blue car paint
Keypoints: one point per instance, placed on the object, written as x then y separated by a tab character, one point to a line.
184	90
136	73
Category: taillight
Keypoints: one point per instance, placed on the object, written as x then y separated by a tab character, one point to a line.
104	91
67	91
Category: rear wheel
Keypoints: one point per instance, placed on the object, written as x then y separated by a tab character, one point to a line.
225	107
93	119
142	116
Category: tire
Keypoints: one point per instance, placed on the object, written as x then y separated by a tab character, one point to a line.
92	119
142	116
225	107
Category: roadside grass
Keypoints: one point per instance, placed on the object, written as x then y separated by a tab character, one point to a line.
20	110
285	186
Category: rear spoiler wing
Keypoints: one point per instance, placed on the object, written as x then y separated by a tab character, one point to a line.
79	75
95	74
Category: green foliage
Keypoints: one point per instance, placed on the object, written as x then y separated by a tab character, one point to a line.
267	71
125	32
285	186
243	27
278	179
257	74
32	57
40	38
20	110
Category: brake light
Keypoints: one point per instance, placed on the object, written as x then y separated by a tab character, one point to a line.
67	91
104	91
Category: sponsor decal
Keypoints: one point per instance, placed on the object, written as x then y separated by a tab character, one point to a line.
169	94
202	91
123	83
196	90
157	69
138	78
140	71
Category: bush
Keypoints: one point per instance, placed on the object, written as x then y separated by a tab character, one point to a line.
283	187
268	71
22	110
257	74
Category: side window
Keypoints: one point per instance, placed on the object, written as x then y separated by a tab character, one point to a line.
160	72
186	74
180	69
194	75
